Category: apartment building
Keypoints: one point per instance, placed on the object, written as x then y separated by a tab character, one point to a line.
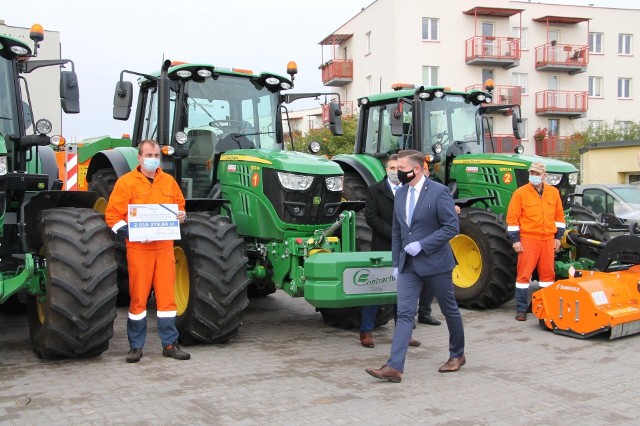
567	66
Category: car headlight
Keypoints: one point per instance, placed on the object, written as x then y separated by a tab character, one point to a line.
552	178
295	182
3	165
334	183
573	178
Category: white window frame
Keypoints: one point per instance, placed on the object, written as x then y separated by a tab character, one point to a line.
595	86
593	43
518	78
367	38
429	36
369	81
523	35
624	88
625	44
431	73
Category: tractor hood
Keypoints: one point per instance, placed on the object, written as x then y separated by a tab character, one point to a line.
290	161
516	160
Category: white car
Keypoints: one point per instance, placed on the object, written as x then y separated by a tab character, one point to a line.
622	200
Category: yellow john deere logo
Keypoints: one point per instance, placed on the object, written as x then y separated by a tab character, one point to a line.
41	185
361	277
316	200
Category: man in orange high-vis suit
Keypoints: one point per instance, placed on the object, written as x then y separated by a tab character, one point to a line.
535	224
150	262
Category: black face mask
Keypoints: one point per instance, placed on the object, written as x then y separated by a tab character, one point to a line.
406	177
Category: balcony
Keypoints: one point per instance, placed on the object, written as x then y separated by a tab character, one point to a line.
562	58
502	95
554	146
493	51
561	103
501	143
337	72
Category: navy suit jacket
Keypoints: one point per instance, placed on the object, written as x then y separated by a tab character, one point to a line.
434	224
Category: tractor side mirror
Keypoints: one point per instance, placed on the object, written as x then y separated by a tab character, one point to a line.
122	100
516	122
69	92
335	119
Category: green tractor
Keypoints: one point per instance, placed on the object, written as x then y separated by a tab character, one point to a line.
259	217
56	250
452	129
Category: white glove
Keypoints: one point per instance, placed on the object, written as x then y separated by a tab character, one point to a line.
413	248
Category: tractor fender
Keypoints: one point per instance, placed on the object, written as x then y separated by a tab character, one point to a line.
350	163
117	158
35	203
48	164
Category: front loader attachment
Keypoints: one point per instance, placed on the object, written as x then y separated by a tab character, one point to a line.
592	303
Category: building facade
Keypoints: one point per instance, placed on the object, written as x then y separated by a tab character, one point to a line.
44	83
567	66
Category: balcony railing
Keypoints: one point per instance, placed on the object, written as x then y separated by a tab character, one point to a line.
501	143
562	103
554	146
562	57
337	72
502	95
496	51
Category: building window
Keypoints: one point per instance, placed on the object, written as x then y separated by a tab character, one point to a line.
595	87
595	124
623	126
624	44
553	126
430	76
367	37
429	29
624	88
520	79
525	125
523	35
369	85
595	42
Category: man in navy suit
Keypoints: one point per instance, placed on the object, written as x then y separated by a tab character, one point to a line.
424	221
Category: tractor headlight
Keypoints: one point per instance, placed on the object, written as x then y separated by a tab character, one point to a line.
552	178
295	182
181	138
573	178
19	50
184	73
334	183
43	126
3	165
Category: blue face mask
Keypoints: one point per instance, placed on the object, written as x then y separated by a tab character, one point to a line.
535	180
151	164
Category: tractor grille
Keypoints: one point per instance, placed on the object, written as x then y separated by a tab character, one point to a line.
490	175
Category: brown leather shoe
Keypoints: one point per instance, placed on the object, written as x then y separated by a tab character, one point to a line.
413	342
453	364
366	339
385	373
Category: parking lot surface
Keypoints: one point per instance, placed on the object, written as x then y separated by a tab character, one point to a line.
286	367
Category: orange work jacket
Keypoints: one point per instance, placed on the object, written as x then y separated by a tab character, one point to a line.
533	216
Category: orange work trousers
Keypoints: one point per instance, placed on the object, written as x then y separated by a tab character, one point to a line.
538	254
152	267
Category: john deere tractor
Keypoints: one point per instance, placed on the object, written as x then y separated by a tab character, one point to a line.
452	129
259	217
56	251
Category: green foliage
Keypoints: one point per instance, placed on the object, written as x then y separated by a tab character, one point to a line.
331	145
603	133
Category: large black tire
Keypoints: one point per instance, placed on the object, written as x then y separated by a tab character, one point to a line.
211	279
102	183
595	232
76	318
348	318
355	189
485	276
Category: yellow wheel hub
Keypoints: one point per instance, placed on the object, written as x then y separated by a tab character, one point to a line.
42	313
467	271
182	280
100	205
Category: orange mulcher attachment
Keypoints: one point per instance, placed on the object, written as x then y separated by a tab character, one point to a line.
595	302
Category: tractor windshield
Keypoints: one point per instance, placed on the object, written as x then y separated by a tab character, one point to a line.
447	120
234	110
8	107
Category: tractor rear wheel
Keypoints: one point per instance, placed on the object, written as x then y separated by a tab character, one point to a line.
211	279
485	275
75	319
348	318
102	183
355	189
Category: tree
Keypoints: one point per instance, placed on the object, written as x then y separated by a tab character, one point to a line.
603	133
331	145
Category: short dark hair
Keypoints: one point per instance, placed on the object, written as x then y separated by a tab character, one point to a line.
415	157
145	142
392	157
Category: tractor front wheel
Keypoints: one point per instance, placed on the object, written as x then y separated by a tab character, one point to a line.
485	275
355	189
75	318
211	279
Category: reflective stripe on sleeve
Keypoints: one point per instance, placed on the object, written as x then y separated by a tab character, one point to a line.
118	225
513	228
560	225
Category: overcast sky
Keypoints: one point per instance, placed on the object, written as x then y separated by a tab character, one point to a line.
105	37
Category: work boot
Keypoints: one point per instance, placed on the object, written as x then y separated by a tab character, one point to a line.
521	316
366	340
134	355
174	351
